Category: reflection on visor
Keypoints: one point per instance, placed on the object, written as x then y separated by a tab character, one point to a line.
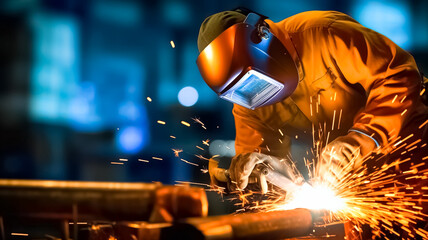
253	89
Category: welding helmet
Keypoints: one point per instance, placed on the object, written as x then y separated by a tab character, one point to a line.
247	65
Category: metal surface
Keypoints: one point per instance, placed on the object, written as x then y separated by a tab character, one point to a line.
95	200
156	231
279	180
249	226
62	209
59	208
98	200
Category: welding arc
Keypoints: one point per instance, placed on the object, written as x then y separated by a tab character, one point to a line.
279	180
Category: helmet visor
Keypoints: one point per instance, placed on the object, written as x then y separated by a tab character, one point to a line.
252	90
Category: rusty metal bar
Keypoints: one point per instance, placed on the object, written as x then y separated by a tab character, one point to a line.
65	230
2	231
75	219
248	226
111	201
95	200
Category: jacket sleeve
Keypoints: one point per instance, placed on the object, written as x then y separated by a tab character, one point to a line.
252	135
387	73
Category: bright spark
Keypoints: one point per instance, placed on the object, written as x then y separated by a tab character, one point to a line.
116	163
200	148
78	223
19	234
319	197
177	152
423	124
334	116
377	198
194	164
197	120
206	142
201	157
185	123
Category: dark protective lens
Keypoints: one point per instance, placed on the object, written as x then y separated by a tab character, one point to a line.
253	89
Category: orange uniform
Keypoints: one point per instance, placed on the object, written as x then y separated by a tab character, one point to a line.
351	77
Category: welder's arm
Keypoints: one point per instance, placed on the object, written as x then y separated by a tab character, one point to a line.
253	136
389	76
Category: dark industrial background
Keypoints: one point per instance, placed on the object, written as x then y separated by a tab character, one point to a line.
76	74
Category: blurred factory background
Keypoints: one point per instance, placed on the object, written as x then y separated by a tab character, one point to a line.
77	77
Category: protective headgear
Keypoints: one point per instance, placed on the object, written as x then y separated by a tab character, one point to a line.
246	64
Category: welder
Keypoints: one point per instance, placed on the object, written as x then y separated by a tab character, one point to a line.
314	71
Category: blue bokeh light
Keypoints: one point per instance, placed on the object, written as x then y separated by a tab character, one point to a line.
131	139
188	96
55	70
392	19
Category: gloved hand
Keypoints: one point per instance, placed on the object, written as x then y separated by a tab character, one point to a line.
344	154
245	165
219	176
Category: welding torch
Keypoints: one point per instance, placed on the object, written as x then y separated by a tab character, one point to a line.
268	169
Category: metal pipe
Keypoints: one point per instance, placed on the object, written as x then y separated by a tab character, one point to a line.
75	218
248	226
2	232
65	230
98	200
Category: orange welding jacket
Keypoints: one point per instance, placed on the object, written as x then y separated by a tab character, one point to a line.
351	77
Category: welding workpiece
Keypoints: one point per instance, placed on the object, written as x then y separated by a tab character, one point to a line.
142	211
290	224
287	224
110	201
37	204
263	225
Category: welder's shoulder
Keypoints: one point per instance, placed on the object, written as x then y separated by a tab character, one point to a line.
313	19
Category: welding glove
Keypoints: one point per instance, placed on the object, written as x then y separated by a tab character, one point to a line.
343	155
219	176
245	168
